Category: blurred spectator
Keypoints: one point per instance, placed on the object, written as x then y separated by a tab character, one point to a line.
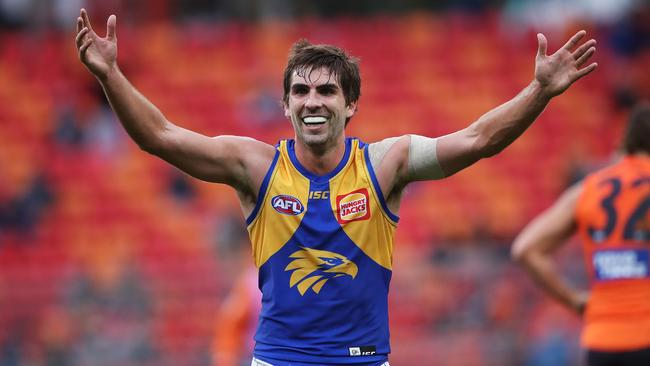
262	109
631	33
112	315
62	11
230	234
38	14
630	40
554	337
180	187
23	213
553	349
15	14
556	15
69	131
102	133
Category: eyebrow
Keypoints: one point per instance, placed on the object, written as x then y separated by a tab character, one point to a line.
322	86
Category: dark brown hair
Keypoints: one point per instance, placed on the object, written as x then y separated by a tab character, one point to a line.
637	135
305	57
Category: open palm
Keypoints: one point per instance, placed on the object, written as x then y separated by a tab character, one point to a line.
98	54
557	72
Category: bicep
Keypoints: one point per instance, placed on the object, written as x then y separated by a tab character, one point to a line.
221	159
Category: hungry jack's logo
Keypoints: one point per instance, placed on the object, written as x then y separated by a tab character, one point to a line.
312	268
352	206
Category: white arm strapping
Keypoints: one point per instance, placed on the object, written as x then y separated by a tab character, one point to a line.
423	160
378	150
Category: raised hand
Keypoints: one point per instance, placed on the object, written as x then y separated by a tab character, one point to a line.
98	54
557	72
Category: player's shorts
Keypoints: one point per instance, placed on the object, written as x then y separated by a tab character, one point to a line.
256	362
639	357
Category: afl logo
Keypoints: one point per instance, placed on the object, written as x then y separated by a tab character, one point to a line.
287	205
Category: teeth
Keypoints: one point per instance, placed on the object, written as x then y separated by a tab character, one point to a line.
310	120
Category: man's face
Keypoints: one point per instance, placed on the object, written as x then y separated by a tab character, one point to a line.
316	107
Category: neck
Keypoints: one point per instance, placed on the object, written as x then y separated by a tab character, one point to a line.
320	160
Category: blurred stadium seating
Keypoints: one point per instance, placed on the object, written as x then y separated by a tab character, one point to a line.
110	257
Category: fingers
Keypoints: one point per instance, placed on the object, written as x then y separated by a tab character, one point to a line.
80	24
86	20
585	56
574	40
80	37
84	47
541	45
585	71
582	49
110	27
582	54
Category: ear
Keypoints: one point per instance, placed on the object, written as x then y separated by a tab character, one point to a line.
287	112
350	109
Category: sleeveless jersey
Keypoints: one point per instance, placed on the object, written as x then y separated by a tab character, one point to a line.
613	222
323	246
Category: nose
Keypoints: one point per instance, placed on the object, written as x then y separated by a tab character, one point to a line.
313	100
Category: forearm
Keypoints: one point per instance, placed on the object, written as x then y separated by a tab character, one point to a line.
142	120
499	127
543	271
534	246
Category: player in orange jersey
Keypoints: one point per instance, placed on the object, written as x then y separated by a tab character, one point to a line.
609	210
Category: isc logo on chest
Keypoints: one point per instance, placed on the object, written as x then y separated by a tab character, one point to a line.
319	195
287	205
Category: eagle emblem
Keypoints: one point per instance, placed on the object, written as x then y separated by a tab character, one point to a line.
312	268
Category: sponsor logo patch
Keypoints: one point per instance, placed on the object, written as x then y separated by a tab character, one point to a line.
353	206
287	205
621	264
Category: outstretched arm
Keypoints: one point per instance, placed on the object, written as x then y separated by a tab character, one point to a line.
499	127
399	161
237	161
534	246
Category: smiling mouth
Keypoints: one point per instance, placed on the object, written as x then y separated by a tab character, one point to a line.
314	120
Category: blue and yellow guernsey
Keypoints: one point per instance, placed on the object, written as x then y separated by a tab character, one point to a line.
323	246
